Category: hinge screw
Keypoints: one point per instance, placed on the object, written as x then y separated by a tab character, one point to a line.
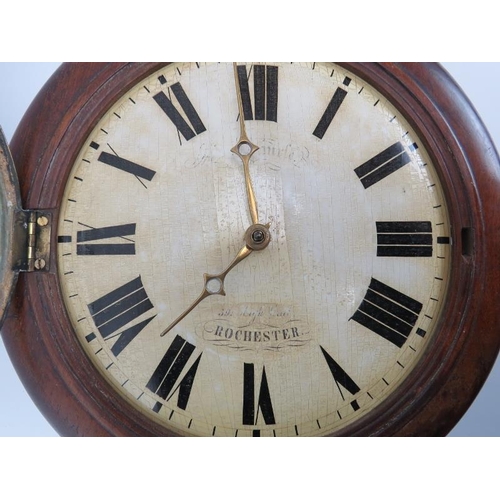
42	220
39	263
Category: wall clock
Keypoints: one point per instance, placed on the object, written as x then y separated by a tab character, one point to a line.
368	213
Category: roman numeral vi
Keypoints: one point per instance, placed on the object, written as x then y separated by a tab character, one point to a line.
250	415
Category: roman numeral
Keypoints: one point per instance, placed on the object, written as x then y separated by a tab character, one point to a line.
126	166
380	166
341	378
94	234
250	416
119	308
388	313
330	112
176	118
404	239
169	370
265	90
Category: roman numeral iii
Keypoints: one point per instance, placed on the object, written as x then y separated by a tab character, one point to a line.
124	247
168	373
380	166
404	239
265	90
388	313
195	126
118	308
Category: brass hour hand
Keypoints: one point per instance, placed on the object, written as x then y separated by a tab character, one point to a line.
257	238
244	148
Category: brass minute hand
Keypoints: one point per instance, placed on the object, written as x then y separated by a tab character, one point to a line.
244	148
257	237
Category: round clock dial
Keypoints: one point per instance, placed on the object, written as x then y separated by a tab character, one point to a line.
313	331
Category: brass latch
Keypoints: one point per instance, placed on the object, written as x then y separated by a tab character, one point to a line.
31	246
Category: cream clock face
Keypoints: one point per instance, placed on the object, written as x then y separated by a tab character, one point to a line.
316	329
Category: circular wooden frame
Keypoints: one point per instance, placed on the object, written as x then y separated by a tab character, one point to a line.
74	397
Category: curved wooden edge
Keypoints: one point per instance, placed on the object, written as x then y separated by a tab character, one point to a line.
450	375
75	398
478	342
51	364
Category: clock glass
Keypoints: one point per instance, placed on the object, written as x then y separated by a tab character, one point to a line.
302	337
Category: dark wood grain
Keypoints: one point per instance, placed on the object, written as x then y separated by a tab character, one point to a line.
77	401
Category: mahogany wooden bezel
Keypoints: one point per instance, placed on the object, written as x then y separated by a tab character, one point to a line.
75	398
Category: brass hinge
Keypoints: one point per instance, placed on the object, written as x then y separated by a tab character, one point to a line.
31	245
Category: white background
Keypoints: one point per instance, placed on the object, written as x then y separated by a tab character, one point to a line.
264	30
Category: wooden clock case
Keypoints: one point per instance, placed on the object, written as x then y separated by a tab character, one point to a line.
77	401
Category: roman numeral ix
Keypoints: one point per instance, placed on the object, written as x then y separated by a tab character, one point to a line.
195	126
265	91
168	373
119	308
388	313
84	237
404	239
